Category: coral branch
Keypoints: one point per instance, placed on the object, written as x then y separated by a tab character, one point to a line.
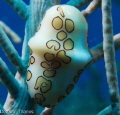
97	51
94	5
97	54
78	3
11	33
109	56
8	79
117	41
10	51
20	7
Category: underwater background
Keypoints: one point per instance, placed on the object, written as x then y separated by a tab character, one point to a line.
90	94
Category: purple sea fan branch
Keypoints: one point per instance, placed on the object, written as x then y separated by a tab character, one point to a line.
109	56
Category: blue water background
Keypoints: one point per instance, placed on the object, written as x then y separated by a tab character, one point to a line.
92	84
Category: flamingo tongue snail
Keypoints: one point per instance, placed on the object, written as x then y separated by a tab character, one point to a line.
58	54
